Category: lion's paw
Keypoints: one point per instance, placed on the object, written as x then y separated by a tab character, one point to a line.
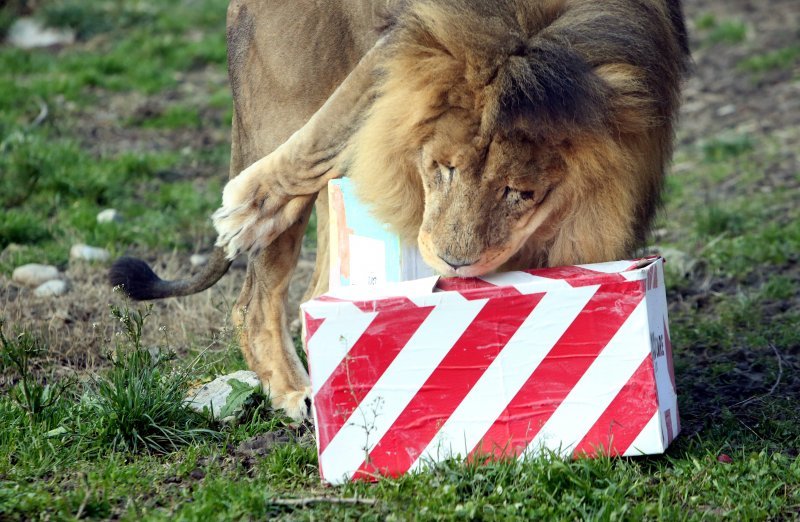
252	215
296	404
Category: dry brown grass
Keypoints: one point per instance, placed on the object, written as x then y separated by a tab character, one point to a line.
78	327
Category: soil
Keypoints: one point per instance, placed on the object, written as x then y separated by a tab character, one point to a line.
720	99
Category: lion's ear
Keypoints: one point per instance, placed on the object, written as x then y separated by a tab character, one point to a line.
549	86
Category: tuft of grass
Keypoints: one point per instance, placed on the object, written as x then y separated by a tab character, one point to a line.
18	355
706	21
726	147
713	220
174	117
780	59
141	400
780	288
89	19
721	31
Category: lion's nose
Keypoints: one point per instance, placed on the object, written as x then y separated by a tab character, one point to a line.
455	263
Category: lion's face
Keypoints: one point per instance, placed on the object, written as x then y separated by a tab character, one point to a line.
484	196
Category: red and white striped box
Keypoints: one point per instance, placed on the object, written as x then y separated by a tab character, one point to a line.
575	360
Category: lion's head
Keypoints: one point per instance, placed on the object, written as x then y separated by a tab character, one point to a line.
521	133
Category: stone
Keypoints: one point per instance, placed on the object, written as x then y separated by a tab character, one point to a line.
54	288
198	260
726	110
214	395
109	215
89	253
29	33
34	274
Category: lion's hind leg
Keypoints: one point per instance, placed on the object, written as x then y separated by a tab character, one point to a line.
262	321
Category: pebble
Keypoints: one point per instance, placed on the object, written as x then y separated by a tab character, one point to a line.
29	33
109	215
89	253
726	110
34	274
198	260
214	395
53	288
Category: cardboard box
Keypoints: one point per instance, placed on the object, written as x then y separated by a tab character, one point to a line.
364	252
575	360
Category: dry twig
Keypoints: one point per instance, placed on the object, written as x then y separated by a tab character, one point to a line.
307	501
774	385
44	111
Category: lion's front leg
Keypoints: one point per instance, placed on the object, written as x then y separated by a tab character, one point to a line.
263	322
268	196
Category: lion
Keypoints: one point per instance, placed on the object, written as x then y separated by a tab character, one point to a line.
497	135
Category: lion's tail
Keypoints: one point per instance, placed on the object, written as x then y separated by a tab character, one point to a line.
139	282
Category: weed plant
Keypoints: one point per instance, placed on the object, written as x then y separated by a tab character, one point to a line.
17	355
141	400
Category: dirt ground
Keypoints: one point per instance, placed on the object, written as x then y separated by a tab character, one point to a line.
719	98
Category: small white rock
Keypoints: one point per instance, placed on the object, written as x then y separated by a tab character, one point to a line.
109	215
214	395
726	110
53	288
198	260
29	33
88	253
34	274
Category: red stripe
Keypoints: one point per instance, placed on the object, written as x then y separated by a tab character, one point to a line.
625	417
578	276
312	325
668	422
473	288
364	364
447	386
561	369
329	299
461	284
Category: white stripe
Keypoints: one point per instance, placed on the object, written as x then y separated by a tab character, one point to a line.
397	387
526	283
344	325
507	374
648	442
612	267
601	383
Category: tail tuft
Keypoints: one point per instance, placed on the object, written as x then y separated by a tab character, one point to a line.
136	279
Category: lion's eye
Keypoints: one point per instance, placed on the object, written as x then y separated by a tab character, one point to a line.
516	195
446	172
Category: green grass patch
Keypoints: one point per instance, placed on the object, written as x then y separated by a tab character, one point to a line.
716	31
53	182
174	117
780	59
726	147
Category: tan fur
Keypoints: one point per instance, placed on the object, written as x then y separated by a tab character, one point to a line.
497	135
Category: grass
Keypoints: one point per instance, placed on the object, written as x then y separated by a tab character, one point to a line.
54	180
119	445
759	65
716	31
